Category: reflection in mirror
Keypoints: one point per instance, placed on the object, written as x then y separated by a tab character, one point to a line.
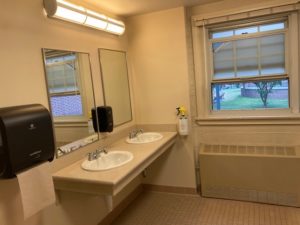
71	98
116	84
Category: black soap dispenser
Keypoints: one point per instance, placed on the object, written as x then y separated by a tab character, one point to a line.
104	116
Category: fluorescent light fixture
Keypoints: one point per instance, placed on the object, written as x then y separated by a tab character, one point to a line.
70	5
64	10
96	23
70	15
96	20
115	26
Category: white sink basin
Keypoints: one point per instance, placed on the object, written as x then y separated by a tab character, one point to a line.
108	161
145	138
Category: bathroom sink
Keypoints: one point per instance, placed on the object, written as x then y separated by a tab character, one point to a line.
108	161
145	138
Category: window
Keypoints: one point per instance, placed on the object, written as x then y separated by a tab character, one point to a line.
64	85
249	66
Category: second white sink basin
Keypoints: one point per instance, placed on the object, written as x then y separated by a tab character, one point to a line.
108	161
145	138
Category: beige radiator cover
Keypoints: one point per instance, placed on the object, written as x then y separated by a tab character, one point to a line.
263	178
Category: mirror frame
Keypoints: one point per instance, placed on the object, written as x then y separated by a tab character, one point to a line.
128	83
50	107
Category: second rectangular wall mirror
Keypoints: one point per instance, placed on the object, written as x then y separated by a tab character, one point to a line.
116	84
71	98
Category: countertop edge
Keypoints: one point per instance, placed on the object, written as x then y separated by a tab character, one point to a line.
101	187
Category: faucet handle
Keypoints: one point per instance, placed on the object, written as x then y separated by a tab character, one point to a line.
91	156
134	133
99	151
131	134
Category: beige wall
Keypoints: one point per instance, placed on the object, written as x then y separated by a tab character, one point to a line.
24	31
158	51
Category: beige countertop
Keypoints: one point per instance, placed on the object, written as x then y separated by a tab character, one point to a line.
110	182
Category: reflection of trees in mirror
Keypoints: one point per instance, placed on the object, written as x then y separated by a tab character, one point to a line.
251	95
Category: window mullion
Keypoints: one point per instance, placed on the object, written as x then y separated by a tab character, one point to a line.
65	77
259	56
251	79
234	58
66	93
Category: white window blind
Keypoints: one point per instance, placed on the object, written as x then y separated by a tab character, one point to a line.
249	51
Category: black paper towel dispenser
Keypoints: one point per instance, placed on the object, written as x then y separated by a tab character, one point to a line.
26	138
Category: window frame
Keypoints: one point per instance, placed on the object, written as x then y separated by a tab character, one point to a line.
204	73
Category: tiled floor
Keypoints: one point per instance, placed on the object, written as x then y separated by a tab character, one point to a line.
153	208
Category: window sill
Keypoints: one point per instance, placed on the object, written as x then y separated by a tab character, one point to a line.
70	123
261	120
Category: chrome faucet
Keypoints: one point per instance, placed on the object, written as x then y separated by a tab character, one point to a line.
96	154
134	133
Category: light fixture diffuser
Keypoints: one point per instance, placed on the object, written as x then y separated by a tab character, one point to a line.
115	26
70	15
64	10
96	23
70	5
96	20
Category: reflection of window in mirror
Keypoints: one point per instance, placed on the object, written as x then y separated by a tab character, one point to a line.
65	85
71	98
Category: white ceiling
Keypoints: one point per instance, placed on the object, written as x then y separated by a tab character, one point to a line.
134	7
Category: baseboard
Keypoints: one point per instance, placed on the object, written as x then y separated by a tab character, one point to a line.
122	206
170	189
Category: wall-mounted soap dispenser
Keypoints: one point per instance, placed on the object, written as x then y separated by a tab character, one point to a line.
104	116
183	124
26	138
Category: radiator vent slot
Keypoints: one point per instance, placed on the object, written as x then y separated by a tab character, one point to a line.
250	150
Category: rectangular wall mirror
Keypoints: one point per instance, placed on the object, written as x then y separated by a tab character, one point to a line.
116	84
71	98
